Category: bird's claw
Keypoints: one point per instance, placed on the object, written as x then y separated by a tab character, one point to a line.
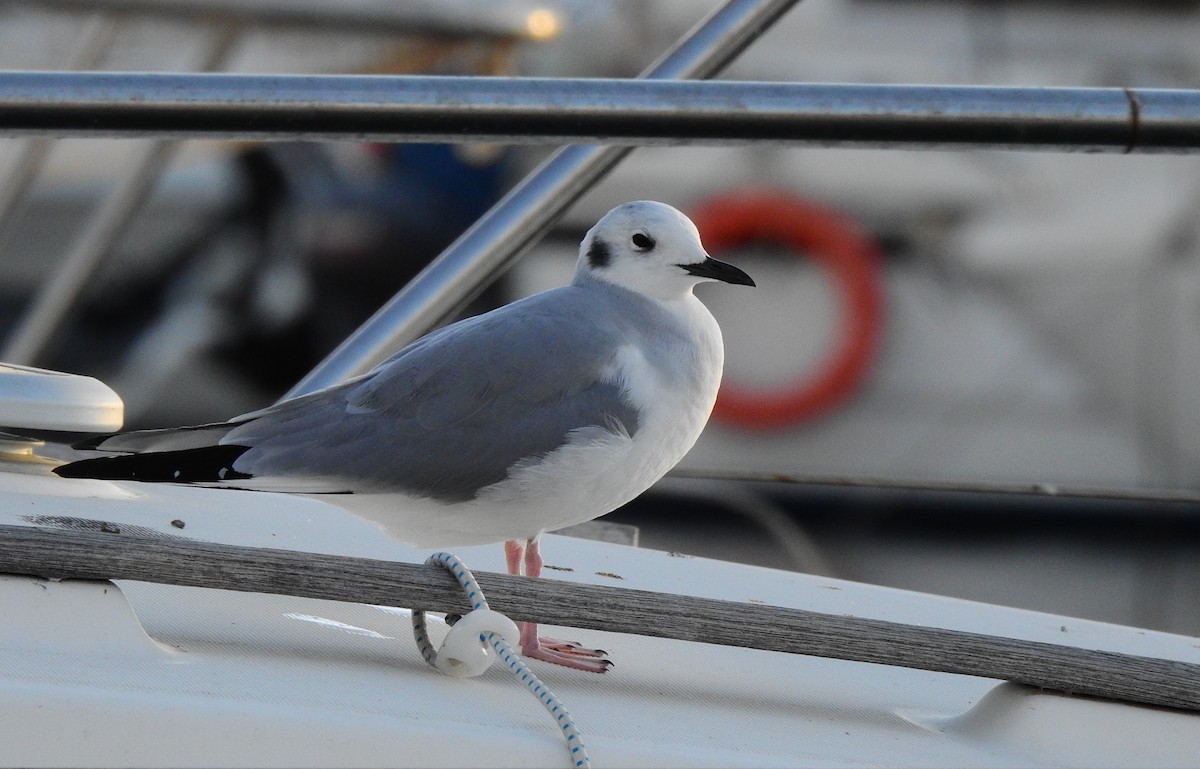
571	647
568	654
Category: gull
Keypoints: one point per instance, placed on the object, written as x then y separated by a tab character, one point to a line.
541	414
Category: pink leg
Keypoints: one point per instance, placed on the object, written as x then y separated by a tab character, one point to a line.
565	653
514	554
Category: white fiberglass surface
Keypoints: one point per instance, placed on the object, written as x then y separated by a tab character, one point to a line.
144	674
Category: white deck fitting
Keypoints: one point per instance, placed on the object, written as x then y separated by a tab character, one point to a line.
52	400
223	679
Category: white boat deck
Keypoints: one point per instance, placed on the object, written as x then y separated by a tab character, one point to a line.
143	674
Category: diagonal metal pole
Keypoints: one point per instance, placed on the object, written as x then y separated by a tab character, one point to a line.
54	303
494	242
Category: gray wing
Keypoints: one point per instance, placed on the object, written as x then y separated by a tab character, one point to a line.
453	412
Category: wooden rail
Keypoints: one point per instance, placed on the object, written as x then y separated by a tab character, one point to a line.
108	553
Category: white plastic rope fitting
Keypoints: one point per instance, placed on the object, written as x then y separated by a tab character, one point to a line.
464	653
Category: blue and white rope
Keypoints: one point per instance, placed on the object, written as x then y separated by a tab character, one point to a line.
466	662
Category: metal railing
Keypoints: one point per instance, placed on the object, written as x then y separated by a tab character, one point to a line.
647	112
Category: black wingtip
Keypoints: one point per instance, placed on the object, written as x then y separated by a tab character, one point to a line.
80	469
210	463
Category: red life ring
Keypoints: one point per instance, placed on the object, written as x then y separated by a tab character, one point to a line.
852	260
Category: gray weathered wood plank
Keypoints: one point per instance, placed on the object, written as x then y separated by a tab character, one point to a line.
65	554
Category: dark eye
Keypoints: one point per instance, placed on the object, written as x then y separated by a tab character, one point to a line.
642	241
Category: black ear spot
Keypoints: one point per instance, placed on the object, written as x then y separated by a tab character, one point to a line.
642	241
598	254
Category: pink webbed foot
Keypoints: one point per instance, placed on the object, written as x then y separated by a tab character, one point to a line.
566	653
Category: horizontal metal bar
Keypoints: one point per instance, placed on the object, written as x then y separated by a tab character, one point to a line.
442	18
623	112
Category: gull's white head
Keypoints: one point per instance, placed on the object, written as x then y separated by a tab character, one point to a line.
653	249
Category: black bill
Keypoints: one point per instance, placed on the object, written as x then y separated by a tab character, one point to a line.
718	270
